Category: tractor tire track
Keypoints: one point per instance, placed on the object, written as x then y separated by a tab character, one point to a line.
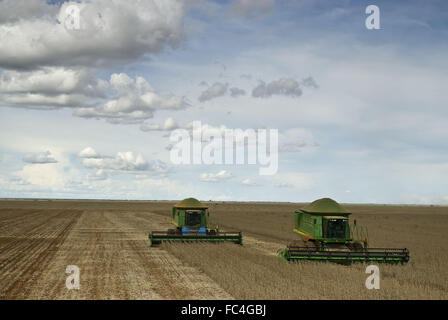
25	245
169	277
251	241
265	247
29	267
14	226
111	249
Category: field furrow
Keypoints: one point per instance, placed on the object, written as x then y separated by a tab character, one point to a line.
108	242
23	263
110	248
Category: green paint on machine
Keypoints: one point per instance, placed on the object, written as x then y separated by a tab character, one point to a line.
324	227
193	223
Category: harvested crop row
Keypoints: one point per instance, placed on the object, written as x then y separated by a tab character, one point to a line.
108	241
109	246
247	274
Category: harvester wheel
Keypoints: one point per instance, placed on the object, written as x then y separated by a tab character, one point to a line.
355	246
303	244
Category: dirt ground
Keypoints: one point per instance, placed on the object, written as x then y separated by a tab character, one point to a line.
107	240
109	244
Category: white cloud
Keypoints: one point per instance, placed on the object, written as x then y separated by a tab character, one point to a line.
119	100
42	102
88	153
53	81
290	140
249	182
13	10
58	177
208	130
49	177
218	89
168	125
134	102
110	31
98	175
215	177
50	88
39	158
121	163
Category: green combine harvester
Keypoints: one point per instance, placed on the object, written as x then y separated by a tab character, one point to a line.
326	235
193	224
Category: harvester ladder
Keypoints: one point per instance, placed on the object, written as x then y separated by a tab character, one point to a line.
359	233
212	223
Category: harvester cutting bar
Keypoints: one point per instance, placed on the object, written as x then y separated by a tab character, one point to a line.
157	237
380	255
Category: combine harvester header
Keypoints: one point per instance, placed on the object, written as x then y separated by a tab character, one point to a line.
326	235
193	224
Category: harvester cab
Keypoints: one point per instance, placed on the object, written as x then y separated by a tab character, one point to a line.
190	220
193	223
334	227
326	235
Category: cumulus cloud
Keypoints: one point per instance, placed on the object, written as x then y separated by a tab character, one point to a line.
39	158
215	177
290	140
133	102
42	102
122	99
49	88
53	64
53	81
168	125
98	175
251	8
89	153
208	130
52	177
14	10
121	162
218	89
110	32
235	92
284	86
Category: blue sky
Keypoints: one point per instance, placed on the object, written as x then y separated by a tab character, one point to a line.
373	130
